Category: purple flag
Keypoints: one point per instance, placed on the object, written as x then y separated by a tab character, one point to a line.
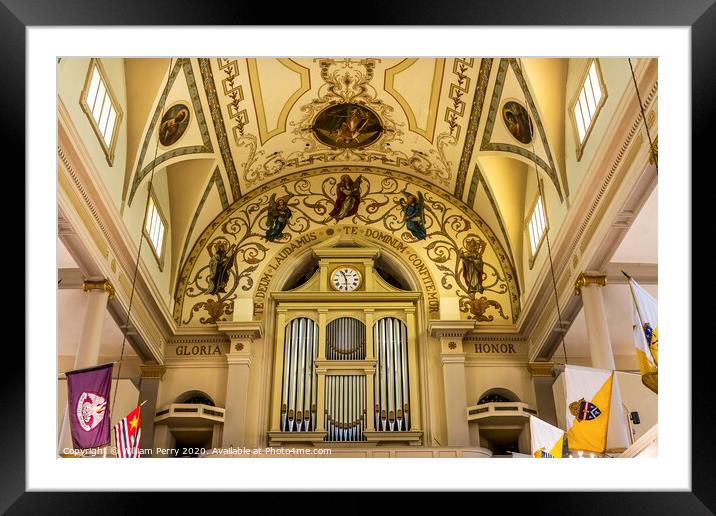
88	405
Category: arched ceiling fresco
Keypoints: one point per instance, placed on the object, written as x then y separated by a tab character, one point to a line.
440	123
452	251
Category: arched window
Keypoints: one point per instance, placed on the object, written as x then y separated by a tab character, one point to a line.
498	395
196	397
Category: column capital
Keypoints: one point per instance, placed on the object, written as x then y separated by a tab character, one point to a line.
152	371
452	358
99	285
544	369
243	330
589	278
457	329
242	359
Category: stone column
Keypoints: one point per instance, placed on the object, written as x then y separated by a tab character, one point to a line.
452	357
98	292
589	286
542	379
241	337
151	377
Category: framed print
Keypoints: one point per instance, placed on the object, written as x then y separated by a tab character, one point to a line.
319	245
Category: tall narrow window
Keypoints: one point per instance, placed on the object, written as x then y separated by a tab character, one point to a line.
536	227
586	105
154	229
101	107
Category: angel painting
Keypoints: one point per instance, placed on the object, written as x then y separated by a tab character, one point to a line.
278	216
220	267
347	126
414	214
347	197
472	264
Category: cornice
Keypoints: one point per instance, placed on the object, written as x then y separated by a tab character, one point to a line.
241	330
541	369
152	371
457	329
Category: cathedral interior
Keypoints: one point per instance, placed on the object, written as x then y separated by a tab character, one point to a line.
384	257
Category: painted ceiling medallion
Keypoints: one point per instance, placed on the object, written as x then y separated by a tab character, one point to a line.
174	123
347	126
518	121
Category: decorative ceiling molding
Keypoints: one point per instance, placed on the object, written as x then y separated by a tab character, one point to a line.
182	64
217	180
389	84
473	125
218	119
304	74
486	145
456	93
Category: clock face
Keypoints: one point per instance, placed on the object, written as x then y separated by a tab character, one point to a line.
345	279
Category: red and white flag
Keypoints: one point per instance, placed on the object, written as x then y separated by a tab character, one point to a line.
127	433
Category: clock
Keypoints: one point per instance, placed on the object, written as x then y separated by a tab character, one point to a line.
345	279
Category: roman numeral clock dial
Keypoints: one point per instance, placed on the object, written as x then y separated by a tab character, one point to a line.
345	279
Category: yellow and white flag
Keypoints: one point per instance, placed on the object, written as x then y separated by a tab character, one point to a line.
588	394
645	320
548	442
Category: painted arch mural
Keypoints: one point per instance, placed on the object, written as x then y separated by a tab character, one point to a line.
452	251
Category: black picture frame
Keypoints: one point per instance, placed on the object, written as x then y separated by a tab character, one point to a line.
699	15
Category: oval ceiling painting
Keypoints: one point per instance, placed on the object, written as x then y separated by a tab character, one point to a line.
174	123
518	121
347	126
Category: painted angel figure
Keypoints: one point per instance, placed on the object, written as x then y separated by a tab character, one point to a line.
220	267
347	198
472	264
414	214
278	216
349	130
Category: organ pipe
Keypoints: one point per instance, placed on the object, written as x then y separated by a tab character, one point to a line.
345	402
298	393
391	385
345	339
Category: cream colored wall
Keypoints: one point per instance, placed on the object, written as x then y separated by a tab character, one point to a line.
178	380
71	76
556	213
134	219
515	378
636	397
617	77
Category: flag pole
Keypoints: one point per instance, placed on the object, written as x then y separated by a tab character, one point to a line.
636	305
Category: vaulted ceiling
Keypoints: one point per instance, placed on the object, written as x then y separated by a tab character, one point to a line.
252	121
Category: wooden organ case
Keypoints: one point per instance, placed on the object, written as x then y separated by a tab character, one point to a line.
346	370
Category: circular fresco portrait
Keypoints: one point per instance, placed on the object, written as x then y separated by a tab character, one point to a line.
517	121
173	124
347	126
